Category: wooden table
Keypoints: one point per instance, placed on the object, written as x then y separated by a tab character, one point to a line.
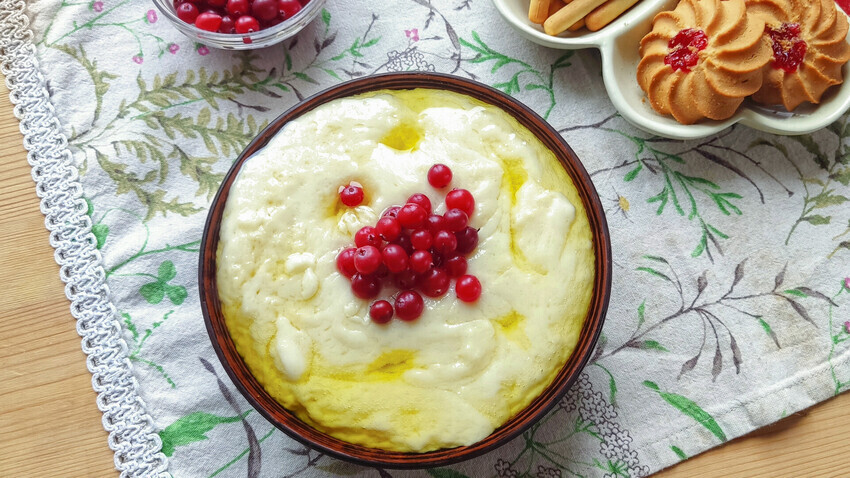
50	424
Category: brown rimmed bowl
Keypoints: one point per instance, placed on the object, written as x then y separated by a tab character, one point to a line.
282	418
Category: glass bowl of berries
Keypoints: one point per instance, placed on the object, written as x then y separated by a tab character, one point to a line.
239	24
397	253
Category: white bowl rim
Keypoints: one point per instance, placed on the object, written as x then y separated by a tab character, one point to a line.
604	39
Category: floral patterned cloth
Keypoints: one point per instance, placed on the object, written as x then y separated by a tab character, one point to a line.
730	297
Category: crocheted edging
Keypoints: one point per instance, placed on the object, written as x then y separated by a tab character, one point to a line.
132	434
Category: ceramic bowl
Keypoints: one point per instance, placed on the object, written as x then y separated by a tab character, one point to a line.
248	41
287	421
618	43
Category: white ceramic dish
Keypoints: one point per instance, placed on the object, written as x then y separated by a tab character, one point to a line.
618	43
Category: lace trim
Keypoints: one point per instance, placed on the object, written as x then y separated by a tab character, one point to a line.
131	430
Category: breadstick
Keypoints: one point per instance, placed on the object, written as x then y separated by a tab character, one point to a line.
538	11
556	5
568	15
607	12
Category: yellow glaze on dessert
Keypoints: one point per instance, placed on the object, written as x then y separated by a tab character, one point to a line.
461	370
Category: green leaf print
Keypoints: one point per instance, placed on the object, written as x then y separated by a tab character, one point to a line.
166	271
817	220
769	330
651	345
842	176
641	313
154	292
819	188
176	294
631	175
445	473
138	342
678	451
689	408
100	232
537	80
684	193
192	428
99	78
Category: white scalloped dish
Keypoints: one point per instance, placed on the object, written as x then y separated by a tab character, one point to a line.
618	42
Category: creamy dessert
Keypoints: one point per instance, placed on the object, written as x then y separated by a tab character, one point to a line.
460	369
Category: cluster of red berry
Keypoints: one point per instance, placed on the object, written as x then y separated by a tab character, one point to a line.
414	249
236	16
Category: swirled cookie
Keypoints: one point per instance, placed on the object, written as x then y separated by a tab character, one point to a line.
808	39
702	59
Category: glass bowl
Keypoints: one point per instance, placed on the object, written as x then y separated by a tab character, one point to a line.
286	420
248	41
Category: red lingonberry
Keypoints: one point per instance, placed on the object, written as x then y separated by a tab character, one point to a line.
421	239
409	305
247	24
208	21
264	9
422	200
406	279
461	199
412	215
445	242
456	219
237	8
439	176
391	211
456	266
367	259
288	8
365	286
434	283
420	261
367	236
216	3
187	12
438	258
394	258
345	262
436	223
381	312
382	271
388	228
351	195
403	240
467	240
468	288
227	25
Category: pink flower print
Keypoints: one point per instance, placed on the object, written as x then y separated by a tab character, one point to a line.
152	16
203	50
138	59
847	282
413	34
97	6
173	48
847	326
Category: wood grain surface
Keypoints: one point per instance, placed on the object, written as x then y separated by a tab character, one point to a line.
51	427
